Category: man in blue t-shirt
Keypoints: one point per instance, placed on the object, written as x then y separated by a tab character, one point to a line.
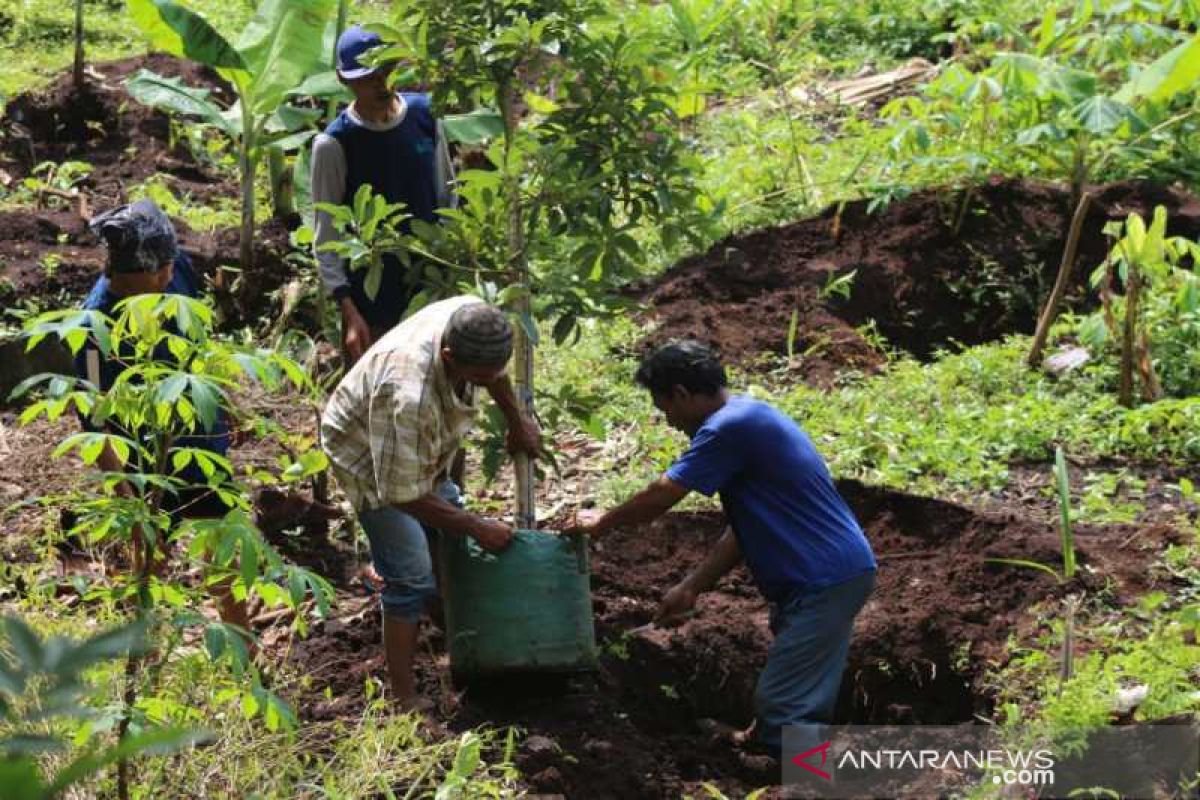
800	541
393	143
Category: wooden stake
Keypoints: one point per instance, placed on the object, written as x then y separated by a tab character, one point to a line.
1050	312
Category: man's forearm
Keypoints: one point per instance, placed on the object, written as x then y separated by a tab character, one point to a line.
505	396
724	556
645	506
436	512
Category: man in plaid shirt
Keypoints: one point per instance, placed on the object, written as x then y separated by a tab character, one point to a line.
391	430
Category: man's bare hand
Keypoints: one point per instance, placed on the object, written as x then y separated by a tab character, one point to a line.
586	523
491	534
356	334
525	437
677	605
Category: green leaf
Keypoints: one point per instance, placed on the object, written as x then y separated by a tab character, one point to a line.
539	104
24	644
1100	115
563	328
1020	562
30	745
1176	71
1017	72
282	46
292	141
296	587
476	127
20	779
171	94
179	31
323	86
102	647
159	741
1064	506
207	401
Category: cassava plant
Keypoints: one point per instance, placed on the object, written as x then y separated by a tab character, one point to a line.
176	381
43	694
587	156
282	46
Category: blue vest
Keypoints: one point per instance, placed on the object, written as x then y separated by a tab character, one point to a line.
399	165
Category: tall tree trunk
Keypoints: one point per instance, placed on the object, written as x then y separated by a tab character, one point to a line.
1050	312
78	72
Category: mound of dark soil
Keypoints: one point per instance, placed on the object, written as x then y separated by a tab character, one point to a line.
939	615
922	285
52	257
49	254
124	141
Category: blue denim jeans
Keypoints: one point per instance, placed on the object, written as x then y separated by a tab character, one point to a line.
400	554
800	683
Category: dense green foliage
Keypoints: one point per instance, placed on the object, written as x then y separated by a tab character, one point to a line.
615	148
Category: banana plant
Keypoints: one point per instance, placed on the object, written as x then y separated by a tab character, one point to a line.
282	46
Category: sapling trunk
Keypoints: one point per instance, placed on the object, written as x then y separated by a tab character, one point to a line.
526	516
133	662
1151	388
283	185
78	70
967	196
1128	338
331	109
1050	312
246	238
1067	657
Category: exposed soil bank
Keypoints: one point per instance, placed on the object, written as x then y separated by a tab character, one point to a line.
924	285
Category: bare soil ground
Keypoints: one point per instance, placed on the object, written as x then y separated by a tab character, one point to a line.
921	284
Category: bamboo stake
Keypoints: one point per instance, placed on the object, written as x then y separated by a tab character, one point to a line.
1050	312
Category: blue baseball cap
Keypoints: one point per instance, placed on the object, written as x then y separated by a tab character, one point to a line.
351	45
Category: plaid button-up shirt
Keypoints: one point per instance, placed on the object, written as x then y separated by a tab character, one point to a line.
394	422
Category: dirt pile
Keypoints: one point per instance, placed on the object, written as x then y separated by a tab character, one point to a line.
922	285
48	253
939	615
124	141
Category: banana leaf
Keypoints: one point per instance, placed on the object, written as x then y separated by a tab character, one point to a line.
182	32
171	94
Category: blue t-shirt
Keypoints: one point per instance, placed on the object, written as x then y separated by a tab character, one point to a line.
795	531
102	298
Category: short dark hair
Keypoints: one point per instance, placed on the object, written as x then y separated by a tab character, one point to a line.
479	335
688	363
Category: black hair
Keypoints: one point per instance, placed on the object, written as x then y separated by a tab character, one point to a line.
688	363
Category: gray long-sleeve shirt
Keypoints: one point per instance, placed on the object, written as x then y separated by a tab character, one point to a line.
329	186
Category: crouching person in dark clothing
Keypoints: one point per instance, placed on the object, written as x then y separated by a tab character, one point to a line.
144	258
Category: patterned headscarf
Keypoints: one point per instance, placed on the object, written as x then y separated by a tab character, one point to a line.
140	237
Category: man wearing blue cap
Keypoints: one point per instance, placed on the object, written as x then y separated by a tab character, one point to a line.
391	142
144	258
